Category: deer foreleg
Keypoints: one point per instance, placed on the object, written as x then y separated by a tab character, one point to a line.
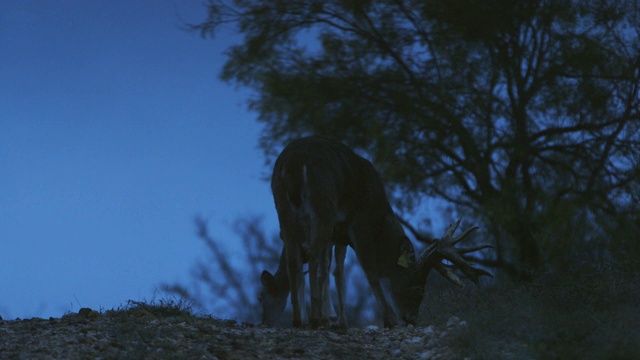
389	316
370	270
316	294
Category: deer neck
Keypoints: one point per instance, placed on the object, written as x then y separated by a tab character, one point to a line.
280	277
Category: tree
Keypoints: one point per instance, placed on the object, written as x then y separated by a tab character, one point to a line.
220	284
523	114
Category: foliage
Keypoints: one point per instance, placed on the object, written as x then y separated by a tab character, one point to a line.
588	314
524	115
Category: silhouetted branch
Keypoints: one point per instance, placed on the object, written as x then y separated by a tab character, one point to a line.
416	234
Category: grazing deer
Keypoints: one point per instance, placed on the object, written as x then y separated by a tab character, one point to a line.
327	196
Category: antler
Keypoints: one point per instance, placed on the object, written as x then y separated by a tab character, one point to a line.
444	248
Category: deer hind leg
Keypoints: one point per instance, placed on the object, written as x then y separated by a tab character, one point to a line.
319	284
296	281
338	274
319	267
316	296
327	305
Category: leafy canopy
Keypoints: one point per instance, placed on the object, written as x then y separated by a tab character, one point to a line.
523	114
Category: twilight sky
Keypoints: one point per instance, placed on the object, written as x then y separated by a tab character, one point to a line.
115	131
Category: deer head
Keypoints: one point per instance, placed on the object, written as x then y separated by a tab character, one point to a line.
274	293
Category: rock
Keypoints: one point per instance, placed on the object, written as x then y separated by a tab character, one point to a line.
428	331
371	329
453	321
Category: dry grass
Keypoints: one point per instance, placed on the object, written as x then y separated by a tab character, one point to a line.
584	314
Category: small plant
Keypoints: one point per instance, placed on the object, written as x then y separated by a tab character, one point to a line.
162	308
137	323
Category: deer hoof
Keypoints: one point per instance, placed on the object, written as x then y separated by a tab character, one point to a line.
391	321
319	323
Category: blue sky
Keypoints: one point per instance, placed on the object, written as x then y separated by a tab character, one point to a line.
115	131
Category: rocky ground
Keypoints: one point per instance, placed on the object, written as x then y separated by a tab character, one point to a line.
140	333
580	315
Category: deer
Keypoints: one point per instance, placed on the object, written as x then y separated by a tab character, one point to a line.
328	197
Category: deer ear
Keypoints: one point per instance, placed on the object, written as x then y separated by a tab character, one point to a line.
403	260
269	282
407	257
